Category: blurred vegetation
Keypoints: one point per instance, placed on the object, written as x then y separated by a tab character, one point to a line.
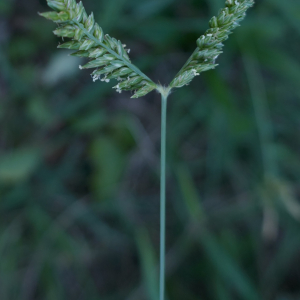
79	164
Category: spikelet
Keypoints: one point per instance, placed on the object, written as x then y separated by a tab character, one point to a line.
210	44
108	56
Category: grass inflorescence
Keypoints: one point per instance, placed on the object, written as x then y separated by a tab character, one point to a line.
108	56
210	44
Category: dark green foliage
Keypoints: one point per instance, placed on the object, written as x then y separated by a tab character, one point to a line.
79	183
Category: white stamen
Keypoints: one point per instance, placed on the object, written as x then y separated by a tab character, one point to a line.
128	51
80	67
96	77
195	72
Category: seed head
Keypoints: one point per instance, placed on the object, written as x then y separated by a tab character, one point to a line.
210	44
107	55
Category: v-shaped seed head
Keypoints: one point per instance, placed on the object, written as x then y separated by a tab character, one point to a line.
109	57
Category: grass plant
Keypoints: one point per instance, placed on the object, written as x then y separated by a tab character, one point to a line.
109	59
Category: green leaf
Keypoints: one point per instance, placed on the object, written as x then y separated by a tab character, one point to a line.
148	262
107	161
60	68
18	164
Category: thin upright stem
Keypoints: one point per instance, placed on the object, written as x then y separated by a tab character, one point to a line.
164	98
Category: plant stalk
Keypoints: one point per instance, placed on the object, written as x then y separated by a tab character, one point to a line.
164	99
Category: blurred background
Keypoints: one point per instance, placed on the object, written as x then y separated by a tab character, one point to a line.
79	163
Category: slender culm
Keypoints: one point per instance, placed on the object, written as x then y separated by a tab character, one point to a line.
164	101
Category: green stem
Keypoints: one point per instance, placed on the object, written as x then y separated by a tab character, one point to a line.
164	97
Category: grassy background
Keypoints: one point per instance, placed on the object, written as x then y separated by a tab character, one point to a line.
79	164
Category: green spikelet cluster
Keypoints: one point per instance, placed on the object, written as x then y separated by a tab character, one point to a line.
108	56
210	44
